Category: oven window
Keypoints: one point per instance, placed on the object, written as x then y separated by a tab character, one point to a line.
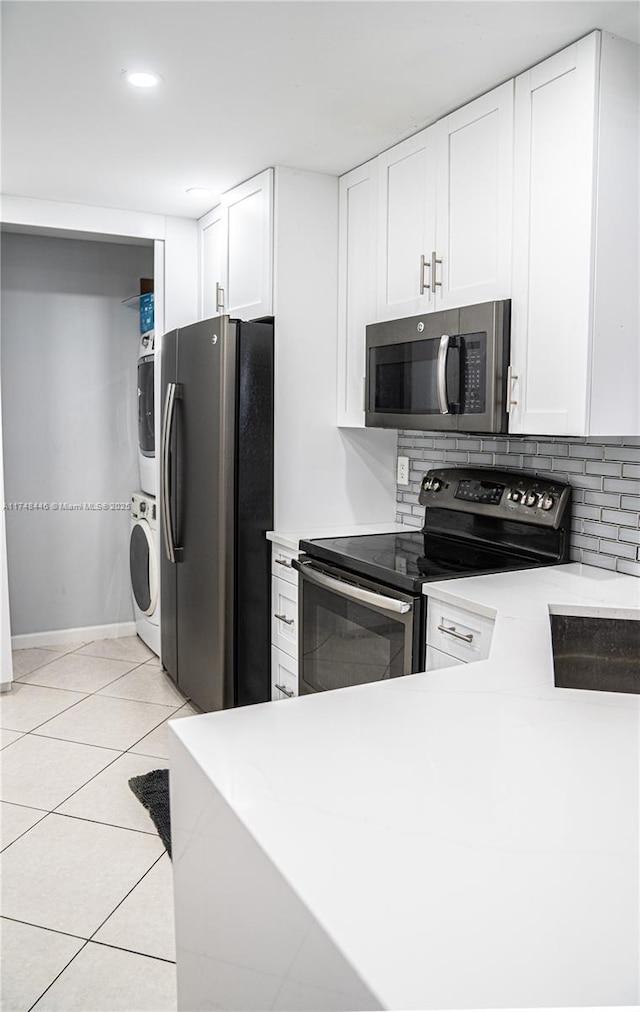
346	643
404	378
146	435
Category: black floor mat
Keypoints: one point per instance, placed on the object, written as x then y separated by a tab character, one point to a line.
152	790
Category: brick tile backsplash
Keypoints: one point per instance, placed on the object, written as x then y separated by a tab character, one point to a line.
604	475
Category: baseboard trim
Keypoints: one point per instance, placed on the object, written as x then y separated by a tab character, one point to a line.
83	634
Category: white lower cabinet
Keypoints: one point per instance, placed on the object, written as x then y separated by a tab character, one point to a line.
456	635
284	675
284	615
284	623
438	659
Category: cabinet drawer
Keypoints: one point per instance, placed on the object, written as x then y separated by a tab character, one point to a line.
458	632
281	559
438	659
284	675
284	616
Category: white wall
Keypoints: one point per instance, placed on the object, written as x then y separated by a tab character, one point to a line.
69	368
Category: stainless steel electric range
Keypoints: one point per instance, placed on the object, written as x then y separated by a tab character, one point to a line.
361	606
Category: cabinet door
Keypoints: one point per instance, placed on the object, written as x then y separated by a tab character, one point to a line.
474	201
249	226
284	616
212	245
282	563
458	632
356	286
555	108
406	227
284	675
437	659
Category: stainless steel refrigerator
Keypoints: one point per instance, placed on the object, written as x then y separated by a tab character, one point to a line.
216	504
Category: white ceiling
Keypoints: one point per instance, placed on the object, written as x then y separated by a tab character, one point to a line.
315	85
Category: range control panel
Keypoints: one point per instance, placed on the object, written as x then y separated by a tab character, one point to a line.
506	495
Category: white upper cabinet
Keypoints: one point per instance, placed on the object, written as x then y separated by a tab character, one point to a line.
575	350
249	213
406	226
474	188
444	218
212	254
236	252
358	192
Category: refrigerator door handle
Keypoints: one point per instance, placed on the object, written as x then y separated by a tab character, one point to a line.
167	429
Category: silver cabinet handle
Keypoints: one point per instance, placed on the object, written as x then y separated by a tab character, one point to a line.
219	298
287	692
283	562
441	374
424	265
353	593
283	618
511	377
434	261
466	637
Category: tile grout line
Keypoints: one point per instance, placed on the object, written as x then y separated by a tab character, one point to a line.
126	896
29	828
134	952
85	696
56	931
63	970
93	692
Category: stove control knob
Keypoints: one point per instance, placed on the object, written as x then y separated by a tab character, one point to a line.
530	498
514	495
546	501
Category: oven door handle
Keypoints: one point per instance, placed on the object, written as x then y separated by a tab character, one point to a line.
348	590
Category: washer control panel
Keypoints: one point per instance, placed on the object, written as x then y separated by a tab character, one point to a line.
506	495
143	506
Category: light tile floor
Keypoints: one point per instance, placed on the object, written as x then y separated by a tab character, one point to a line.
87	897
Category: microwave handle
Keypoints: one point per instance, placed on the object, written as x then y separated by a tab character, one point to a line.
441	374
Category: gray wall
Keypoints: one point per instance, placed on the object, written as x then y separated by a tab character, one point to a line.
604	473
69	359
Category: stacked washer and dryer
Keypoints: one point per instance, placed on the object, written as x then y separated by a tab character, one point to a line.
143	543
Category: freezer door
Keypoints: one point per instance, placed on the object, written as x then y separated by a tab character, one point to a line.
203	502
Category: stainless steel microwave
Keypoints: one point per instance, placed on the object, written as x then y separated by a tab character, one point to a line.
440	371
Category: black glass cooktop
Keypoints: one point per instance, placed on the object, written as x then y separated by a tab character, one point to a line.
406	561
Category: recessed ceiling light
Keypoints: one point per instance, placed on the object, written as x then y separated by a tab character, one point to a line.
143	78
198	191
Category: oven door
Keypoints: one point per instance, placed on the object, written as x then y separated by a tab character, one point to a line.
353	631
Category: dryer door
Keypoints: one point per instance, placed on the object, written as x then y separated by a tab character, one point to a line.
143	567
146	430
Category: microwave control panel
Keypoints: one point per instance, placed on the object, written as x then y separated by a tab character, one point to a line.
474	373
506	495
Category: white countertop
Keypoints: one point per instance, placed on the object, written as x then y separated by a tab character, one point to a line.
291	539
467	837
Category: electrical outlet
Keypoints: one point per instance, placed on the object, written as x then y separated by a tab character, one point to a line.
403	470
